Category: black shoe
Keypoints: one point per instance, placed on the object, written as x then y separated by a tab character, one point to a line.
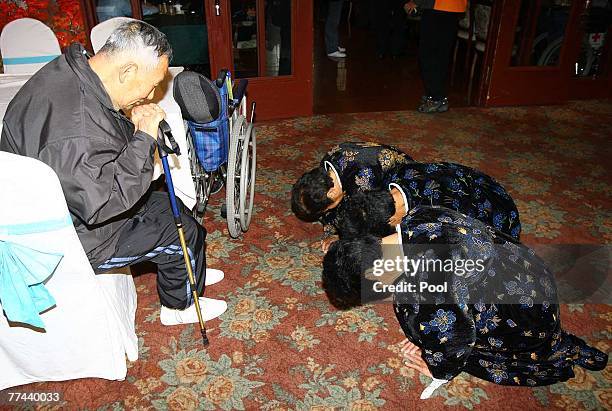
433	106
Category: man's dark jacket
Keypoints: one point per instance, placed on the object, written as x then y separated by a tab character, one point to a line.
64	117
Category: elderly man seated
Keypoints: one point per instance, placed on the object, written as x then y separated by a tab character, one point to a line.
70	115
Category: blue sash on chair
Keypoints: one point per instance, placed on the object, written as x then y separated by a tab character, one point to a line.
23	271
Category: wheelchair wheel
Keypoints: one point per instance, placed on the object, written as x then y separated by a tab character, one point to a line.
203	182
247	177
232	183
550	56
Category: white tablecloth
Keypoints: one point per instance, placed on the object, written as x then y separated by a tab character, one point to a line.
179	166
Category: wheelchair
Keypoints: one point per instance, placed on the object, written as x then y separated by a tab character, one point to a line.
221	144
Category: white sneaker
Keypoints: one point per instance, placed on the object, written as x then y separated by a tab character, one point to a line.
209	307
342	49
213	276
337	54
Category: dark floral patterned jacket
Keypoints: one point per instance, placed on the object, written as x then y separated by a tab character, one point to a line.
500	323
460	188
362	166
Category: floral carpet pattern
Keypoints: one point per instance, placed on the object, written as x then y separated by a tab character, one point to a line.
282	346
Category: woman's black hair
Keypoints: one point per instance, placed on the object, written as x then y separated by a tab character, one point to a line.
366	213
309	194
344	268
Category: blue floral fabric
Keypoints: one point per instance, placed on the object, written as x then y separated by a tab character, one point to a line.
363	166
459	188
500	323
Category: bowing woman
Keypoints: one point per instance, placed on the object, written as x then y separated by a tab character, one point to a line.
449	185
346	169
497	319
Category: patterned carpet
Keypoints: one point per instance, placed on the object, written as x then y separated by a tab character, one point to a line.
281	345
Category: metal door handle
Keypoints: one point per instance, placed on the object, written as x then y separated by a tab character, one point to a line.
217	8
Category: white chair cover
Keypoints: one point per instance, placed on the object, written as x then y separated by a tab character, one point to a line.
91	328
27	45
102	31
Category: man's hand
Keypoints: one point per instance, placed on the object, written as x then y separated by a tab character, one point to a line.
147	117
326	242
413	359
410	7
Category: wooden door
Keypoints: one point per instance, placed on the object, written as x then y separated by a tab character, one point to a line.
270	42
591	75
533	51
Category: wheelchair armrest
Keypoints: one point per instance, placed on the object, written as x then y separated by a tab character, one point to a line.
239	90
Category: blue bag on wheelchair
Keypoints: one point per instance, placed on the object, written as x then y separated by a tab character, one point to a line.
204	106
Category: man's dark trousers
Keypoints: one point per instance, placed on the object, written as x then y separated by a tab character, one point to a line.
151	235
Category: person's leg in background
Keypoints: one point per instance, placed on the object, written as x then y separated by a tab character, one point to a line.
398	28
438	35
362	12
151	235
382	26
447	35
334	12
427	50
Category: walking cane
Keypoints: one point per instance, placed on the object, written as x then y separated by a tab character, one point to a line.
164	150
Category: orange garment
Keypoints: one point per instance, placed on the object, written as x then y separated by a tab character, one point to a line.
454	6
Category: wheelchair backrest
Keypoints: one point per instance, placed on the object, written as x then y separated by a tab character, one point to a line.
205	107
199	98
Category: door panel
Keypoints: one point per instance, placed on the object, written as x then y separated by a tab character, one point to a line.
592	71
539	34
249	57
533	52
270	43
187	32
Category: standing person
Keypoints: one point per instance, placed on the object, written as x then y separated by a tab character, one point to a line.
332	45
69	115
390	25
439	23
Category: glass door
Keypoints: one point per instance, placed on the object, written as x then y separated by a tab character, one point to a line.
270	43
591	72
534	51
184	23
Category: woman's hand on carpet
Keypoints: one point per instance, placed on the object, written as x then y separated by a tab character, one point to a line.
413	359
